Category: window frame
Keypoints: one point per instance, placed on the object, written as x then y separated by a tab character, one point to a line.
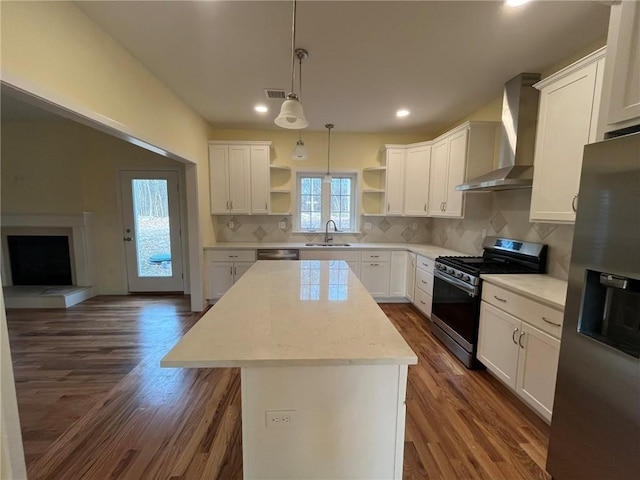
325	212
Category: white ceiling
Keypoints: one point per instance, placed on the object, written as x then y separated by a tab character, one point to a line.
441	60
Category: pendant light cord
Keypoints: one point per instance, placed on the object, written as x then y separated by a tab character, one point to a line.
293	48
329	127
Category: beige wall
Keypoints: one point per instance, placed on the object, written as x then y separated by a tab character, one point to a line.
64	167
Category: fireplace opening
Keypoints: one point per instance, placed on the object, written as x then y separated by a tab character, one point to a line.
39	259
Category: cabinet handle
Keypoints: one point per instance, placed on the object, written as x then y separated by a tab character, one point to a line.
388	207
235	271
423	282
574	203
374	256
520	340
375	264
233	256
425	265
551	323
513	336
445	206
441	206
425	207
500	299
265	206
422	302
228	205
231	203
230	270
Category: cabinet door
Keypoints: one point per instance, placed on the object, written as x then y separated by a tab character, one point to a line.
375	276
219	178
220	278
240	268
621	107
438	178
455	173
497	343
565	123
416	193
239	179
411	275
260	188
423	301
398	275
395	181
537	369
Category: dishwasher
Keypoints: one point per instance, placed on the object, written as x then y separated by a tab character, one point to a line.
278	254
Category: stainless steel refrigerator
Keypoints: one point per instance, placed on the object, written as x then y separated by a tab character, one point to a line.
595	429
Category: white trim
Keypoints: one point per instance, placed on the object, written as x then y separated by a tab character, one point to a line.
241	142
568	70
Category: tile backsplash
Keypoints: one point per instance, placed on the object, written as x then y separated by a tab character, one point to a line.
495	213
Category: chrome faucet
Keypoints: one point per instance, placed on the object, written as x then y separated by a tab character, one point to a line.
327	238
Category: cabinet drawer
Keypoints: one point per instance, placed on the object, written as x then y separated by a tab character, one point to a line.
541	316
423	301
425	263
424	281
346	255
376	255
232	255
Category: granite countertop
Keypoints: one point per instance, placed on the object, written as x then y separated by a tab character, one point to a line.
431	251
306	313
541	288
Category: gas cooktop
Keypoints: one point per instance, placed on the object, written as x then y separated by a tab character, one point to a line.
479	265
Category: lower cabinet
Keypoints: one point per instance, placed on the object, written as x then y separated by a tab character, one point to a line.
352	257
423	292
520	355
224	268
375	276
411	275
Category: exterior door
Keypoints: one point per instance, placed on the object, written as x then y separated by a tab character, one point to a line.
151	221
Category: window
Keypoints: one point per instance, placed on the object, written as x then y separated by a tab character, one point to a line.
319	202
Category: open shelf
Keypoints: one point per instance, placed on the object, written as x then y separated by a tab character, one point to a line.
373	190
280	190
279	167
365	214
374	169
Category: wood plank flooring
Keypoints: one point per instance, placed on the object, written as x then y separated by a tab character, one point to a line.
94	403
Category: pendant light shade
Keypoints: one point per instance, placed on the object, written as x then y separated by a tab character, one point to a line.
327	178
300	151
291	113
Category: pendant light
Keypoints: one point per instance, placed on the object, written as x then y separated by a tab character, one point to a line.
327	177
291	113
300	151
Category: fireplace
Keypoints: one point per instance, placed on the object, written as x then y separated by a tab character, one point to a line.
39	259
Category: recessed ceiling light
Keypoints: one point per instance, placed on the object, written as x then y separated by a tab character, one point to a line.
402	113
261	109
516	3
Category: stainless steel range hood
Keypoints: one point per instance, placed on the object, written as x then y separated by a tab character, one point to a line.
519	119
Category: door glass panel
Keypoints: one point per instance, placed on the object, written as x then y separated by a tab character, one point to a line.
151	217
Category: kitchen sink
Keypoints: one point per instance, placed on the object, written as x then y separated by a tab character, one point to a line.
328	244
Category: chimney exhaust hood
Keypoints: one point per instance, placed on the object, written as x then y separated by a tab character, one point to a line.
519	119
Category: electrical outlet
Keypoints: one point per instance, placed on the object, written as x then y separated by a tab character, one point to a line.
231	224
414	226
367	225
282	225
279	418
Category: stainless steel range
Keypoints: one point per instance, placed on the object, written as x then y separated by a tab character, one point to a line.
457	290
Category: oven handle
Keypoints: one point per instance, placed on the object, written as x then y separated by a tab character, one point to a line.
472	291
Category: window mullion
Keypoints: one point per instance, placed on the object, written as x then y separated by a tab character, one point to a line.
326	202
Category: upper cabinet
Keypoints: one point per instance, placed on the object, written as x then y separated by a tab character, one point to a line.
567	121
621	89
463	153
400	186
239	177
416	191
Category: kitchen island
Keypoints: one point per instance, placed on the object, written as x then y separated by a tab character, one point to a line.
323	371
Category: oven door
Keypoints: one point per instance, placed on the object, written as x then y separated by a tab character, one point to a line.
456	311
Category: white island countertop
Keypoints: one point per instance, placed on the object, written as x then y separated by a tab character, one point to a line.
541	288
297	313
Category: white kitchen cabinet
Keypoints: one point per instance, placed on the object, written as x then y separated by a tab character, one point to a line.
621	90
398	274
260	184
395	161
416	186
567	121
224	268
237	189
423	290
374	275
518	342
411	275
463	153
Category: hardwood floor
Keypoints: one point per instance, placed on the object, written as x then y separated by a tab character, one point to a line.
94	403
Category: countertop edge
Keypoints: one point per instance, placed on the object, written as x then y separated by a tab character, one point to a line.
502	283
320	362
